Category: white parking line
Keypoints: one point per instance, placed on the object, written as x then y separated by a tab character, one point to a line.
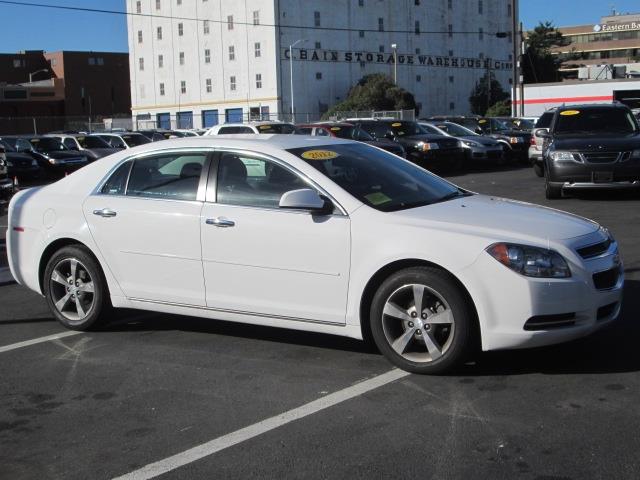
209	448
34	341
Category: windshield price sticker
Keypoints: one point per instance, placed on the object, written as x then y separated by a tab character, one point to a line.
569	113
482	121
397	124
319	155
335	129
264	127
377	198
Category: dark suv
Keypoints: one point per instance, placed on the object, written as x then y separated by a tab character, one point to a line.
422	148
591	146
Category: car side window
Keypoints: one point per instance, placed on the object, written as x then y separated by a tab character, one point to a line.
117	183
303	131
321	132
70	143
253	182
173	176
116	142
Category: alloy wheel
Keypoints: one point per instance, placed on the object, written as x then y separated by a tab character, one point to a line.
72	289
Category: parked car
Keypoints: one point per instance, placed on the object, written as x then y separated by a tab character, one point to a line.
92	146
252	127
537	142
7	187
323	235
591	146
348	131
476	147
19	162
124	140
154	135
425	149
54	159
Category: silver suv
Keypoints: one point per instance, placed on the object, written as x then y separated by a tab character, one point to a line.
535	149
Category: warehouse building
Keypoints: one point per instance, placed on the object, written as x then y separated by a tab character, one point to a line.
196	63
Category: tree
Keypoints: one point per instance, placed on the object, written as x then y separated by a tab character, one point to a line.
486	93
374	92
500	109
538	64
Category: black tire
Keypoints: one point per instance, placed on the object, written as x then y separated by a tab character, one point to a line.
538	169
100	305
552	192
459	344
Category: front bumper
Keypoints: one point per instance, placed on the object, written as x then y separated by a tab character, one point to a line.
485	153
572	174
507	313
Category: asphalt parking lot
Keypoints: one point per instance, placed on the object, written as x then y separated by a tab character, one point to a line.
194	394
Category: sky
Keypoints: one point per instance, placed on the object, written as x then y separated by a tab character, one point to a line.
31	28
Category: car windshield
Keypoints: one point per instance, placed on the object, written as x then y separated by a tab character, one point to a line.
6	146
405	129
523	124
92	142
135	139
45	144
350	132
276	128
455	129
377	178
433	129
595	120
545	120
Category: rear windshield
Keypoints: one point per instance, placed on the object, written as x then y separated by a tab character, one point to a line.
350	132
276	128
133	140
455	129
92	142
46	144
595	120
377	178
545	120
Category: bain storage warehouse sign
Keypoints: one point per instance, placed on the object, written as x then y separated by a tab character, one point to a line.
303	54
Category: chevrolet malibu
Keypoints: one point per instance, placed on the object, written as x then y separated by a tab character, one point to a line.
315	234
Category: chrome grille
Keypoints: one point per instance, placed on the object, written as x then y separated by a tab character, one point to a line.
600	157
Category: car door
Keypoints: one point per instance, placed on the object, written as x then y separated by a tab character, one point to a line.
146	222
261	259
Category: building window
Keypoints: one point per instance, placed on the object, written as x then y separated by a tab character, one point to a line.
418	78
256	49
508	10
363	64
318	45
100	61
179	2
162	89
480	7
230	22
417	51
452	106
139	36
480	34
232	52
141	64
157	4
142	93
381	48
450	4
138	6
318	75
481	56
232	83
160	61
159	33
208	85
205	27
417	27
450	78
451	53
183	86
256	17
181	57
361	3
361	33
91	60
54	62
258	80
180	29
316	18
450	31
207	55
381	24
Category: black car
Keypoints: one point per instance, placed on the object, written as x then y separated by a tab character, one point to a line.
20	164
422	148
348	131
591	146
54	158
92	146
6	184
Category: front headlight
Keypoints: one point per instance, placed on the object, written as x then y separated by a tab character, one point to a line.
635	154
530	261
470	143
561	156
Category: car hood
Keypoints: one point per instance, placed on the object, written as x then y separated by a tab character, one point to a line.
500	218
594	143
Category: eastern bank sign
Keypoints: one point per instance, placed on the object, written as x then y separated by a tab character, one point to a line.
616	27
303	54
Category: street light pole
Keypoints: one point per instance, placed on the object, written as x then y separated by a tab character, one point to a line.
293	118
395	63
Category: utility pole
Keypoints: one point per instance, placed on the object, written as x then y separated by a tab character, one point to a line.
521	73
394	47
516	67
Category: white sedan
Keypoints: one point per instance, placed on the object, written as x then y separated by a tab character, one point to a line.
315	234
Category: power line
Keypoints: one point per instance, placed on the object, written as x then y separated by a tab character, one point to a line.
300	27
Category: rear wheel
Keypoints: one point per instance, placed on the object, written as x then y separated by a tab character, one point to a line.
421	321
75	288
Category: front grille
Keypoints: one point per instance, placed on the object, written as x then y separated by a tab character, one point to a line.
607	279
606	311
448	143
591	251
548	322
601	157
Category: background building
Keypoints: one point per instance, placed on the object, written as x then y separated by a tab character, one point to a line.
209	61
53	90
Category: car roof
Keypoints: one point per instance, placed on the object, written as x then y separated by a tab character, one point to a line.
593	106
326	124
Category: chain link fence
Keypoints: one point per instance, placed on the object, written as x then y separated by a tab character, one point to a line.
41	125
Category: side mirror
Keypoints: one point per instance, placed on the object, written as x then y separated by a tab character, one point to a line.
306	199
542	133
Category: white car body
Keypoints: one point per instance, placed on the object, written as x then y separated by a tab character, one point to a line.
283	269
244	128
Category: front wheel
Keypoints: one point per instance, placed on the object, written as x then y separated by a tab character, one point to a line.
551	191
421	321
75	288
538	169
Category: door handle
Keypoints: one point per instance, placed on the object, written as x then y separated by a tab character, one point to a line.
105	212
220	222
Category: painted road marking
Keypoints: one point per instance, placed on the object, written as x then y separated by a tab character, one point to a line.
35	341
209	448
